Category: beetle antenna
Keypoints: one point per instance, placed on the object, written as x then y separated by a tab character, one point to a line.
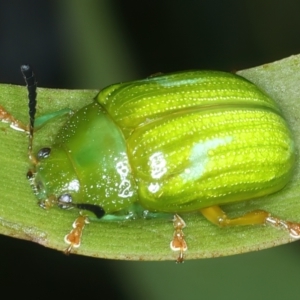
31	87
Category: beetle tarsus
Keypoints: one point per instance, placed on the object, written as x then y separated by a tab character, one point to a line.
6	117
180	258
291	227
74	237
178	243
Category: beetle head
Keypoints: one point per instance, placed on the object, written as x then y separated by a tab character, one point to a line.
55	181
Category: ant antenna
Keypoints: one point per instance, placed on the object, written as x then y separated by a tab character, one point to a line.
31	87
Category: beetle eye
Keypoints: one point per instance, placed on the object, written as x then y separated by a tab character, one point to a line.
65	201
44	153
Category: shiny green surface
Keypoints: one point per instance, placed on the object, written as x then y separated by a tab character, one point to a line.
211	157
173	143
89	162
134	103
201	138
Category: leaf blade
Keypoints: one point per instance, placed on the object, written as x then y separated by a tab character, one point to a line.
20	216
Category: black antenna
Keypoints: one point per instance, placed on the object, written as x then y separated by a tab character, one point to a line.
31	87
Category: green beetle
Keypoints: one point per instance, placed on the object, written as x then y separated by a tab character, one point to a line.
175	143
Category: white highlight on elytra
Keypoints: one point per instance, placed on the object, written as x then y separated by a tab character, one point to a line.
175	83
199	157
153	187
158	165
123	169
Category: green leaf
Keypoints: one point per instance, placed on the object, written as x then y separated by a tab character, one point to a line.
21	217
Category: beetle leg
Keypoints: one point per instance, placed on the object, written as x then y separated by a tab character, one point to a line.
74	237
178	243
217	216
293	228
6	117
